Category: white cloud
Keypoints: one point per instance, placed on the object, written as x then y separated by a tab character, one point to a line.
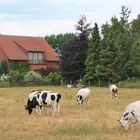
39	18
36	28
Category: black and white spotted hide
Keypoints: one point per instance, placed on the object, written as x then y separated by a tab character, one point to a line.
131	115
44	99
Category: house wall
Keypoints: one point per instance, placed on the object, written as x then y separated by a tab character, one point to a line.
39	66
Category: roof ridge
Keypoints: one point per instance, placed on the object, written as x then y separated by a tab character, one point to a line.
21	36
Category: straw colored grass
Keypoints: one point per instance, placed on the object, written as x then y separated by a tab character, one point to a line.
96	120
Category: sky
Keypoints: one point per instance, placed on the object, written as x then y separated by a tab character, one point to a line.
46	17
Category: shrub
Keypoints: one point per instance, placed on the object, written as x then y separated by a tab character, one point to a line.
4	77
53	77
32	76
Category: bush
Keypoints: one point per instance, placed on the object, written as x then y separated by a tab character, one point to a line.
130	83
32	76
53	77
4	77
15	75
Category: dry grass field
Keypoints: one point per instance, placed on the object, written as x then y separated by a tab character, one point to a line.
96	120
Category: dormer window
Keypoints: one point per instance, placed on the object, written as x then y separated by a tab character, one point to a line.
35	57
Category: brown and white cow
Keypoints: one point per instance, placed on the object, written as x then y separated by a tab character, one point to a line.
113	89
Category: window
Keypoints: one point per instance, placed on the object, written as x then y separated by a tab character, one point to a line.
30	56
34	58
39	56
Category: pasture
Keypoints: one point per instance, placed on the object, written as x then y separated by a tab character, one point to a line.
96	120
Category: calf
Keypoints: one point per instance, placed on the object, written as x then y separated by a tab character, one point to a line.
131	115
39	99
113	90
83	95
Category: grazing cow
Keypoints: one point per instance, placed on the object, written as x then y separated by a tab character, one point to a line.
131	115
113	90
39	99
83	95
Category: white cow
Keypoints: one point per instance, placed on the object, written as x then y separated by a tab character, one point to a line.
131	115
113	89
83	95
39	99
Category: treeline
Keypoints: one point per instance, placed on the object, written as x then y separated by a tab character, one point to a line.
108	54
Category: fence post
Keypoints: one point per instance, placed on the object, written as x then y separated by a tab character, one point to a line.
89	83
99	84
119	84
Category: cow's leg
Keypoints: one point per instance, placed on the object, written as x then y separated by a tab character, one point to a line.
116	96
58	109
53	110
38	109
50	110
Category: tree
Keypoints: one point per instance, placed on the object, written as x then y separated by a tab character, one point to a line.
56	41
93	60
108	56
73	53
133	65
83	28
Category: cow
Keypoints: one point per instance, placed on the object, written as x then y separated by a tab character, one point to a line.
82	95
113	89
39	99
131	115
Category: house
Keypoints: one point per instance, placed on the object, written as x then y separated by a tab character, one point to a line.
34	51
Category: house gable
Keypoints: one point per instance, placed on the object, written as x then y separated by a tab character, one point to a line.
35	50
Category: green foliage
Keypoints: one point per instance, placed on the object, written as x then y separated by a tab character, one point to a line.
52	77
130	83
93	60
73	53
15	75
4	77
3	67
32	76
56	41
17	71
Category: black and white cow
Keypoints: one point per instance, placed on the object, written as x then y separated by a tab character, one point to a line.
131	115
82	95
39	99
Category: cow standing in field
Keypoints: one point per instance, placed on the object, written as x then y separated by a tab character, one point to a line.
131	115
113	89
83	95
39	99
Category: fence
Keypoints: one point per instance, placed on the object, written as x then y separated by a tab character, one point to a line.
25	83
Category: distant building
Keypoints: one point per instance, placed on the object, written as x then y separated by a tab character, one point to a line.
34	51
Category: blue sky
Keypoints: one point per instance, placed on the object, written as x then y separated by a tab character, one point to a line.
45	17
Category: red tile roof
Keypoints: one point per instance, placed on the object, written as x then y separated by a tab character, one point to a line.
16	47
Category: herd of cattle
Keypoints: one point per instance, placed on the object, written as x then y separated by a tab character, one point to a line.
38	99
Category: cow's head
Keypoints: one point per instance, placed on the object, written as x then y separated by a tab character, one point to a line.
31	104
127	119
79	99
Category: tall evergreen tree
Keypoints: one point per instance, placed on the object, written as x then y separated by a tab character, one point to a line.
93	55
133	65
106	69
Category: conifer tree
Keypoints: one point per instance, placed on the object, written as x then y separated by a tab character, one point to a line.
93	55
